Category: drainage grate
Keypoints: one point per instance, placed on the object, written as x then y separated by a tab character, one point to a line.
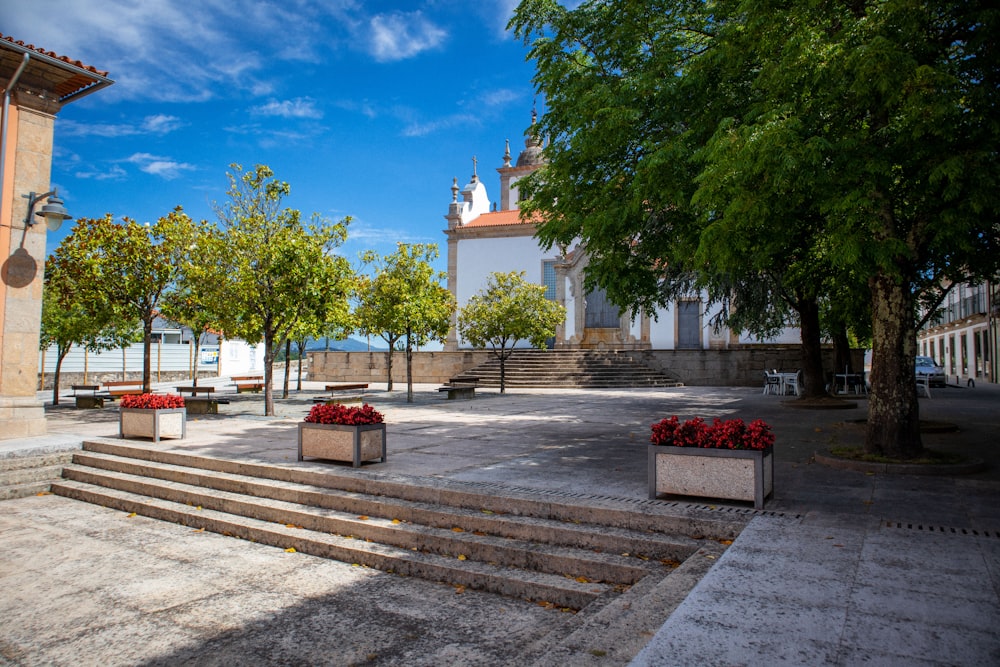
947	530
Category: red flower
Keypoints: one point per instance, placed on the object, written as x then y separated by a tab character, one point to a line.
342	414
728	434
152	401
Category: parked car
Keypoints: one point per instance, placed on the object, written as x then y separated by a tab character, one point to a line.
927	366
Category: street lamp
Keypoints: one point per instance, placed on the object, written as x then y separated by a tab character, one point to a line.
54	212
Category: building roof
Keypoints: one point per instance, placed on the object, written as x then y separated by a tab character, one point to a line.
48	73
501	219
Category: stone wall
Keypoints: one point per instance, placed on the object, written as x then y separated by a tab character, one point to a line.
734	367
428	367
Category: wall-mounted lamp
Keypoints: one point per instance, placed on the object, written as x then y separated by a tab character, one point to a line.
54	212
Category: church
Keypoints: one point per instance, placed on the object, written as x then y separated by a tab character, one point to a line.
484	238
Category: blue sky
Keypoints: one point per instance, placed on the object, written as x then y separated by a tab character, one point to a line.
366	109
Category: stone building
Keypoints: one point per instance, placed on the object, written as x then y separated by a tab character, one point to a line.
37	84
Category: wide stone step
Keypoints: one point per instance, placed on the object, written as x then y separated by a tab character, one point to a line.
452	542
465	520
23	476
523	544
560	590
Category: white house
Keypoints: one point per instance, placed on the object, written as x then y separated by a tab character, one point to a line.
483	239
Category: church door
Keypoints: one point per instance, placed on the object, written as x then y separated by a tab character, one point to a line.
688	325
601	313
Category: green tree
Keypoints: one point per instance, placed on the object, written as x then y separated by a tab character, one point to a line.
279	272
846	143
507	310
67	321
126	268
404	302
198	298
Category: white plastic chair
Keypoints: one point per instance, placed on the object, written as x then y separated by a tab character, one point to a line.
793	382
772	383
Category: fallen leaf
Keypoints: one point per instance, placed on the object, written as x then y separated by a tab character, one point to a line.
396	522
710	556
290	550
582	580
44	493
363	517
291	525
456	529
462	557
199	530
725	542
131	515
198	508
486	512
459	589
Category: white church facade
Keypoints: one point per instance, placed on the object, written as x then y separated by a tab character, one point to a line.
484	238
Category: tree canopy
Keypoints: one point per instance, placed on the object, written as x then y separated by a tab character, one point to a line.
404	300
781	155
278	272
507	310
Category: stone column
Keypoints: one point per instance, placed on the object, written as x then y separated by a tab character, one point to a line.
27	169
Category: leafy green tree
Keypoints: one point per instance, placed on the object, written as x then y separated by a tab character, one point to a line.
126	268
816	145
404	302
67	321
198	297
279	272
507	310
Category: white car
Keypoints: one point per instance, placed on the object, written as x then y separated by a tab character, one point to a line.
927	366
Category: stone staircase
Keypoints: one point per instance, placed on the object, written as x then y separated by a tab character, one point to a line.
541	547
571	368
22	476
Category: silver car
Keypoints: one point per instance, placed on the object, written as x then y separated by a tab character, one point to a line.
926	366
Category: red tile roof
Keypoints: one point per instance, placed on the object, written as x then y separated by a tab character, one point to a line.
52	54
500	218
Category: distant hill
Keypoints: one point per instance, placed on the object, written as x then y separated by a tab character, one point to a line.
346	345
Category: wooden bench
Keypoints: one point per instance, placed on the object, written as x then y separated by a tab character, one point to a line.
88	400
329	400
194	391
463	380
117	388
254	383
456	391
345	387
204	405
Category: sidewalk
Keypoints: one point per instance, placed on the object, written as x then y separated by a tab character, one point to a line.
841	567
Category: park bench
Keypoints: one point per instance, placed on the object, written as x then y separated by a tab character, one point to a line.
459	390
201	405
243	383
88	399
117	388
342	398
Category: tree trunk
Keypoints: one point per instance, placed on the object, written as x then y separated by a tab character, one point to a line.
388	369
409	367
842	350
503	372
298	377
813	379
268	372
893	411
61	354
288	367
147	346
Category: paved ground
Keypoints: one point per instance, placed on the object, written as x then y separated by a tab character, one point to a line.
841	568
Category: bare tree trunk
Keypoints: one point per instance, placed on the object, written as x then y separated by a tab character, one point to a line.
55	377
409	368
813	380
268	372
147	348
893	411
388	368
288	367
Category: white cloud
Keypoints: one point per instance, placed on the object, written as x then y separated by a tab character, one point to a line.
400	35
157	124
300	107
159	166
115	173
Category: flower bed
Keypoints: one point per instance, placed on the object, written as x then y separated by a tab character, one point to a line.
343	433
152	401
725	459
152	416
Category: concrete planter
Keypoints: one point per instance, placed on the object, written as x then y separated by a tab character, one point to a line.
155	424
337	442
730	474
